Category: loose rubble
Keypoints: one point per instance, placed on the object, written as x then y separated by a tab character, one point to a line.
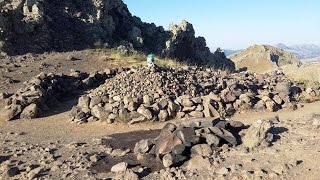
139	94
191	139
46	90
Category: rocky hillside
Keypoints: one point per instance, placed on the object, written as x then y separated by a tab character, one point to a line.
263	58
303	51
37	26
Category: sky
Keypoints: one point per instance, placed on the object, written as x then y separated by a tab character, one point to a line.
237	24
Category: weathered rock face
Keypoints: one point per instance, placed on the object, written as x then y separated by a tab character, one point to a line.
186	47
39	26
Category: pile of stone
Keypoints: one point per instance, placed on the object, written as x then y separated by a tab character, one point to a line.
200	138
140	94
46	90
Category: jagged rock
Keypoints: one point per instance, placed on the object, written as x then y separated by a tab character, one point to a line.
271	106
132	106
163	115
166	143
212	139
84	101
187	136
13	112
145	112
224	134
228	96
94	101
171	160
99	112
257	133
30	112
142	146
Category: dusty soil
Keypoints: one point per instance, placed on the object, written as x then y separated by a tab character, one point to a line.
59	149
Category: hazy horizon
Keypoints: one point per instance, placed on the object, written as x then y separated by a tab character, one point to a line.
237	24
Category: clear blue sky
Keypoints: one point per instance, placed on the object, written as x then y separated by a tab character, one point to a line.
237	24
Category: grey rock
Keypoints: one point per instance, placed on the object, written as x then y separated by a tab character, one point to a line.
196	114
187	103
187	136
94	101
120	167
224	134
84	101
212	140
142	146
30	112
201	150
99	112
257	133
13	112
198	163
145	112
132	106
163	115
138	120
35	172
228	96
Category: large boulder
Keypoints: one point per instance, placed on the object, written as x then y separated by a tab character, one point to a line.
258	133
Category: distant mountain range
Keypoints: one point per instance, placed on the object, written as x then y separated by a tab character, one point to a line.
302	51
229	52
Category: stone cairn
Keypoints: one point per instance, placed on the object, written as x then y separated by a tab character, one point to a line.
45	90
194	143
139	94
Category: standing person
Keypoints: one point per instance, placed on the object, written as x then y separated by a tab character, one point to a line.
150	61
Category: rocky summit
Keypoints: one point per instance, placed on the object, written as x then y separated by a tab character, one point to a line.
263	58
39	26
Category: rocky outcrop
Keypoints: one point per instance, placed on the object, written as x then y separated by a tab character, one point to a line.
263	58
38	26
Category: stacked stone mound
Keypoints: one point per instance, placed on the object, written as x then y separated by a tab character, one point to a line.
140	94
39	26
45	90
200	138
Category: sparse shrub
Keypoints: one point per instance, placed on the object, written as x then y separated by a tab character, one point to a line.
99	44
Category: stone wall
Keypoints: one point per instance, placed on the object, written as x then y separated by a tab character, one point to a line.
45	91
